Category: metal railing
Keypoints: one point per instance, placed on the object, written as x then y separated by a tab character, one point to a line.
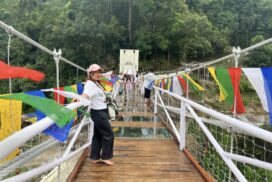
218	141
32	137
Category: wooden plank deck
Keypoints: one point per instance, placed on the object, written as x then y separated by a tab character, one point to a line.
143	114
141	160
137	124
131	107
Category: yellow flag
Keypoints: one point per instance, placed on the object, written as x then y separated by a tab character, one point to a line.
157	83
169	83
199	87
74	87
223	93
10	121
108	88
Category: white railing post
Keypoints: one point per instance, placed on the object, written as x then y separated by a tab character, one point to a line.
71	143
8	57
156	102
57	56
187	71
182	127
169	117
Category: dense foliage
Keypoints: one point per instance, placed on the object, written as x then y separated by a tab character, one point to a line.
167	32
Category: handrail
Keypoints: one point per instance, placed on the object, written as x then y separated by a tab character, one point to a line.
82	123
217	147
226	156
249	160
27	133
19	138
252	130
39	170
168	116
205	120
33	152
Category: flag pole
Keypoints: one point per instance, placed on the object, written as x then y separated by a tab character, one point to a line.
236	52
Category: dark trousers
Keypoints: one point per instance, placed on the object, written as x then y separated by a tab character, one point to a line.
147	93
102	143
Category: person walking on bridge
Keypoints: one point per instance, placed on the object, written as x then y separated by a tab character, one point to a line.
103	138
128	81
149	79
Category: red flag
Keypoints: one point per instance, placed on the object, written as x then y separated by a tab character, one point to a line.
7	71
183	83
235	75
56	95
163	83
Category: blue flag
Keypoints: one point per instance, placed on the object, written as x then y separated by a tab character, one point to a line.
267	74
58	133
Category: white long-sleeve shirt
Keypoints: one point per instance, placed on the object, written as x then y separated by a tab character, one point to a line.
148	78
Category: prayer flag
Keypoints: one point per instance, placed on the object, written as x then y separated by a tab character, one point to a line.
59	98
261	80
59	114
223	93
230	80
176	86
7	71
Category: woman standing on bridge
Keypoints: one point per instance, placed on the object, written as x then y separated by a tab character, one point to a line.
102	143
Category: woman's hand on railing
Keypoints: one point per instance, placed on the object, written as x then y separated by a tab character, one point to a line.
74	100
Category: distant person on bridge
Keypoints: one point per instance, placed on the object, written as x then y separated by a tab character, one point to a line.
102	143
129	81
149	79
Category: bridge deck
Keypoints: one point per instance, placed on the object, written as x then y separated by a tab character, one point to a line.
142	160
148	154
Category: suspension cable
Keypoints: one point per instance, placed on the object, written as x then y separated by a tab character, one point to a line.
255	46
8	56
10	83
36	44
206	64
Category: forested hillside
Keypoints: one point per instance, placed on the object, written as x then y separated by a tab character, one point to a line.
167	32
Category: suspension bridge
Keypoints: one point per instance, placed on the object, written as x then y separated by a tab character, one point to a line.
180	138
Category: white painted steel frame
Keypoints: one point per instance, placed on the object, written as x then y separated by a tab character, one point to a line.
217	147
248	160
32	153
169	118
250	129
209	121
16	140
71	143
27	133
39	170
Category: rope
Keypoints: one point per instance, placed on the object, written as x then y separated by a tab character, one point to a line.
8	56
10	84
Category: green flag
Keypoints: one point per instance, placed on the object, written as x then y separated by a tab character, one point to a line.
69	89
59	114
223	77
